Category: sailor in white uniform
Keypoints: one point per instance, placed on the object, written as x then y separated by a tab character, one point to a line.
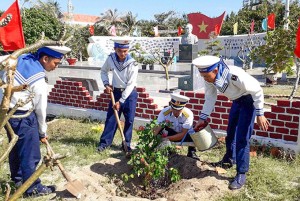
247	103
181	119
25	155
125	71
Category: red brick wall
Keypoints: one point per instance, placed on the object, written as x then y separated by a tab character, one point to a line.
74	94
284	117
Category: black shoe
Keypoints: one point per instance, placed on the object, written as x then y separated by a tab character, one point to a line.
41	191
100	149
222	164
193	155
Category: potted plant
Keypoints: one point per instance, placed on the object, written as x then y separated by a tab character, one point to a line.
151	63
142	60
71	59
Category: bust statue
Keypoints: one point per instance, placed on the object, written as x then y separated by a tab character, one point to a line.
188	37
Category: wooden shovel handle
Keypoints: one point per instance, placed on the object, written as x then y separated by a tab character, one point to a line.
60	166
118	121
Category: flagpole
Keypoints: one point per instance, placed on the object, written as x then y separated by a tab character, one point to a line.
287	13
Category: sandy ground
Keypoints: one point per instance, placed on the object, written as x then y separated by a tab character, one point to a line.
102	181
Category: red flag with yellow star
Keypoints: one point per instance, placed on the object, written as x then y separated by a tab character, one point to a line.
203	25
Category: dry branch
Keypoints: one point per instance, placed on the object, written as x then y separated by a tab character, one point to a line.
28	182
14	138
8	189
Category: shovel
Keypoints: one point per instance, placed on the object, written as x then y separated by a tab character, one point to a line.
74	187
119	123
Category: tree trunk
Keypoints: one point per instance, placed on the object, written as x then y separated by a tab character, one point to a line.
297	79
167	78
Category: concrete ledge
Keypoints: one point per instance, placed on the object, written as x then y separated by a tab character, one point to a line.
69	111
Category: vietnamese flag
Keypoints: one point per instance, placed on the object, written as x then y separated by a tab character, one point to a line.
11	35
297	49
203	25
271	21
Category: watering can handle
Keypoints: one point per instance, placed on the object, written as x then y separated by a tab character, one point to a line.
205	123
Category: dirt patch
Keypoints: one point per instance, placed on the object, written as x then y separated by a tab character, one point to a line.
102	181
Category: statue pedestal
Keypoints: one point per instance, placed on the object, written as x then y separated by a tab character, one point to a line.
188	52
193	82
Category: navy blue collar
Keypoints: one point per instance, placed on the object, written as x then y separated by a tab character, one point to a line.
121	65
221	77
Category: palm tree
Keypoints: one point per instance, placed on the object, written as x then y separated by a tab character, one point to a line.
109	18
129	23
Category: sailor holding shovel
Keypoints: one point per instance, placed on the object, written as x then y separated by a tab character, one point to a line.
124	82
247	103
181	119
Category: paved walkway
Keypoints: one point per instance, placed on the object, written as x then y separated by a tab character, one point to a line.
152	80
155	80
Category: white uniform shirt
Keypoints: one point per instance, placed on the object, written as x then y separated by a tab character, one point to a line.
39	102
184	120
237	83
124	74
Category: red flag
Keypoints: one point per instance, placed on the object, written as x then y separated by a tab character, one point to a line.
297	49
252	27
271	21
203	25
179	31
91	30
11	35
217	29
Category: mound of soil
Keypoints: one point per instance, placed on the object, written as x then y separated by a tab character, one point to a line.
103	181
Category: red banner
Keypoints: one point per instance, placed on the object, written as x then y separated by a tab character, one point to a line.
203	25
297	49
252	27
92	30
179	31
217	29
271	21
11	35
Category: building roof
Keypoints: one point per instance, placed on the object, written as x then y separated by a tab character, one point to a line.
81	19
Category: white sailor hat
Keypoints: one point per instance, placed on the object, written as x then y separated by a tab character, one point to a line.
54	51
178	101
206	63
122	42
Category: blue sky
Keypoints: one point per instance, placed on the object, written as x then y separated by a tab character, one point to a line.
145	9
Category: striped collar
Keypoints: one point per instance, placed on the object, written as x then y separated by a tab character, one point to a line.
221	78
29	69
121	65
